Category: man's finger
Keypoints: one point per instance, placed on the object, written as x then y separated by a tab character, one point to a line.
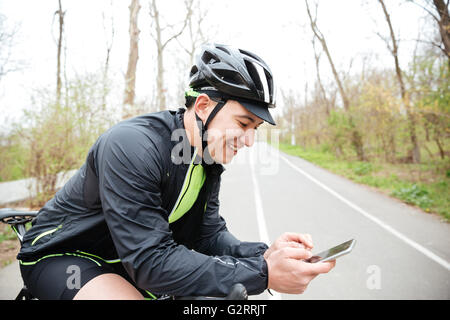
296	253
309	237
297	237
321	267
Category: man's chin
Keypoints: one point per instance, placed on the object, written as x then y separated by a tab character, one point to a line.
226	159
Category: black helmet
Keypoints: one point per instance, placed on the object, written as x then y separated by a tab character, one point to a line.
231	73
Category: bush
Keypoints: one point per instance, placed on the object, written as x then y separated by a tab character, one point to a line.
415	195
363	168
58	135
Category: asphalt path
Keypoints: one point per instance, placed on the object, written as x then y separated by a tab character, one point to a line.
401	252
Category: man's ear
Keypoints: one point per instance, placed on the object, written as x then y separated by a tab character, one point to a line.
201	106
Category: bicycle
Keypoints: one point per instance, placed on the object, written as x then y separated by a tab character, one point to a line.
18	219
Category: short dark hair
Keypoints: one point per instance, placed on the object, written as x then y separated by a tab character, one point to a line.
190	101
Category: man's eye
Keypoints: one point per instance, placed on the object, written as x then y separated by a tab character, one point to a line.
244	125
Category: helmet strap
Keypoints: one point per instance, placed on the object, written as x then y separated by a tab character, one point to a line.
203	128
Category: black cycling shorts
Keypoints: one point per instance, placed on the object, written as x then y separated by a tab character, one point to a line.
60	277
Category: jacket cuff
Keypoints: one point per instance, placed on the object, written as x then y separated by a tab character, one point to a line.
265	273
251	249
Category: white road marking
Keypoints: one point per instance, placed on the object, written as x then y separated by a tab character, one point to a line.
383	225
262	226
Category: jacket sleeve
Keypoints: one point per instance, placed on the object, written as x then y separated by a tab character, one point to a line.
130	170
215	239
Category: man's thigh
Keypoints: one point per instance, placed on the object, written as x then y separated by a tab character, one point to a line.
108	286
66	276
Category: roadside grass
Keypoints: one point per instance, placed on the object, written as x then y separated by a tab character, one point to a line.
422	185
6	233
9	245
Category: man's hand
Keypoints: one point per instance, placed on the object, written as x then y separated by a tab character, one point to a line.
289	239
288	272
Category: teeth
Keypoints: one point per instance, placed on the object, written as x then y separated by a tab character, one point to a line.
232	147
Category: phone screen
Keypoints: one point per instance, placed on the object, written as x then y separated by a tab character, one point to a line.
333	253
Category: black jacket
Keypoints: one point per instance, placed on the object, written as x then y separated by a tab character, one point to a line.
119	204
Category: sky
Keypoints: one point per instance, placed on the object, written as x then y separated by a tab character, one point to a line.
277	31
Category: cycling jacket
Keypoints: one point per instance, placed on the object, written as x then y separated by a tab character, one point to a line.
133	202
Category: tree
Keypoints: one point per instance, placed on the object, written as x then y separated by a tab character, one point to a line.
323	93
355	134
194	29
415	154
109	43
61	15
444	24
7	35
56	137
162	44
442	19
133	56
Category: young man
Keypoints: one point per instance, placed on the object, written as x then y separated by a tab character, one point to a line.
141	216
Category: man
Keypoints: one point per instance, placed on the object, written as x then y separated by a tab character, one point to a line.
141	217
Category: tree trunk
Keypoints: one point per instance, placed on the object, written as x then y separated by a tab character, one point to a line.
161	95
58	58
444	25
319	80
403	92
441	149
133	56
161	45
109	43
355	134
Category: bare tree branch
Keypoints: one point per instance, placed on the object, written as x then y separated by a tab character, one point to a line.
403	92
186	19
7	41
161	45
321	39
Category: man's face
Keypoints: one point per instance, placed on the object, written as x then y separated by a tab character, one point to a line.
232	128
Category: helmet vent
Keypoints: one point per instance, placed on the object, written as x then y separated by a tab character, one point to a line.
254	74
269	81
246	53
230	76
194	70
224	50
209	58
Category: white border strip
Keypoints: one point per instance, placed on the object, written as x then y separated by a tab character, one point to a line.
262	226
385	226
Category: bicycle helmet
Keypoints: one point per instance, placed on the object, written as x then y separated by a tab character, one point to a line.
230	73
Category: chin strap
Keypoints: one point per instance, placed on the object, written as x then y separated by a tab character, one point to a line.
207	159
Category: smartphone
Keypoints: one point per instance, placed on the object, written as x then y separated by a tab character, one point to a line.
333	253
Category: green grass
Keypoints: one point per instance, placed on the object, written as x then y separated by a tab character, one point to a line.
6	233
423	185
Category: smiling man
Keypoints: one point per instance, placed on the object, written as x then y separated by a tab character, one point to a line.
141	216
229	131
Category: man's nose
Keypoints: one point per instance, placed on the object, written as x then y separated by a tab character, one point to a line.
249	137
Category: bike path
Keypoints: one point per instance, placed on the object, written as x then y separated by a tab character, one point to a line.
401	252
